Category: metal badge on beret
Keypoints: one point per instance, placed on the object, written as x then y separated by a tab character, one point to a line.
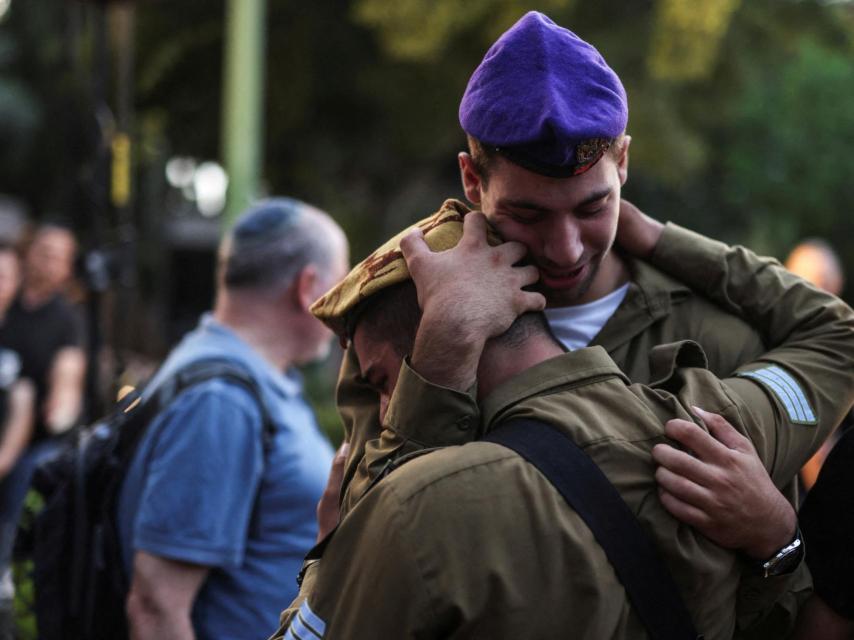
386	267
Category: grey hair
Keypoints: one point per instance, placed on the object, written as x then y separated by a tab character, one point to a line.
272	242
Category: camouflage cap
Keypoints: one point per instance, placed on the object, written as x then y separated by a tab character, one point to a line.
386	267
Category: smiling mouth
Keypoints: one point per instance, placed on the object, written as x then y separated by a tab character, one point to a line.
563	279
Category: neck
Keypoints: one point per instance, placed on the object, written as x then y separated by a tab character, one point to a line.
258	322
612	274
499	363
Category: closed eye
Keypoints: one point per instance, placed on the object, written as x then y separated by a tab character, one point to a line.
589	212
524	217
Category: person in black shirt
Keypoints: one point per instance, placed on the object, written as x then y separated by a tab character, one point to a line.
17	393
17	409
43	331
827	522
46	332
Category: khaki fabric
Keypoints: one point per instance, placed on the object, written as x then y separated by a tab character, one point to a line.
471	541
657	309
386	267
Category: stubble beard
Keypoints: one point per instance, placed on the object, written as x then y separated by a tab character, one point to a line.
572	296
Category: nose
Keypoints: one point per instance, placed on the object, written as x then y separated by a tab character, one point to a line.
562	245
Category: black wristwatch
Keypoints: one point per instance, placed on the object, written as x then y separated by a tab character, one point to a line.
785	560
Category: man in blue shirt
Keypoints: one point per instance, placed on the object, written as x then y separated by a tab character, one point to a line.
214	524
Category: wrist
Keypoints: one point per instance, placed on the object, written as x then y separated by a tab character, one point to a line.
639	233
783	526
446	354
785	560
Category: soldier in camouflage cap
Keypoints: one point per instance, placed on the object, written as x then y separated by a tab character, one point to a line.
469	541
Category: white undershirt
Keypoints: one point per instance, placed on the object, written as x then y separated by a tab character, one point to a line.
577	325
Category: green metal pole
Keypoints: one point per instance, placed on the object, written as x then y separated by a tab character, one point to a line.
243	99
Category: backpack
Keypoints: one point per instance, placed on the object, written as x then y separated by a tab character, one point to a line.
69	570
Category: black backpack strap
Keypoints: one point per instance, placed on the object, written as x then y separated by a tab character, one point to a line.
583	485
186	377
216	368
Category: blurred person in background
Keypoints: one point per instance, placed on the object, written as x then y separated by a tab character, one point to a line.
827	520
17	394
17	409
41	341
215	519
827	515
45	332
815	261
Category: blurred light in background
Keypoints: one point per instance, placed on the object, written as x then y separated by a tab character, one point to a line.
210	183
204	183
179	171
4	8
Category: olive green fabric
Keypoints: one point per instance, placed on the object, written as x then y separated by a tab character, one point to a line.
468	539
471	541
658	309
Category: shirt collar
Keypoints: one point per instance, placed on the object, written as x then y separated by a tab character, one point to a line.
650	297
570	369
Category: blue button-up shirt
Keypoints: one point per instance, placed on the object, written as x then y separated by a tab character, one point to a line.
201	488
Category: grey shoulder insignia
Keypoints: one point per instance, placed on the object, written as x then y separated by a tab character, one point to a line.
786	389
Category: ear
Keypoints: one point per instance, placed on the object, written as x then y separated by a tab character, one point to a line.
471	179
304	288
623	160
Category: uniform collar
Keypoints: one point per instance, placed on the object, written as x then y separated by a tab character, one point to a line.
570	369
650	297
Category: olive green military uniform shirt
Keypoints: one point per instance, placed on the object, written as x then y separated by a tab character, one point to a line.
658	309
815	334
471	541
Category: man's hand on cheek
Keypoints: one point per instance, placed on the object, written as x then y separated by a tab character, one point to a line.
467	295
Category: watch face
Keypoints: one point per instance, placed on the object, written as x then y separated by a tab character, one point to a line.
788	558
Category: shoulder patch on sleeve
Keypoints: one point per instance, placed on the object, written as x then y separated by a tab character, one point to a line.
306	625
787	390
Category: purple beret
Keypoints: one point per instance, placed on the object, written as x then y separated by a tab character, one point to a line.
544	99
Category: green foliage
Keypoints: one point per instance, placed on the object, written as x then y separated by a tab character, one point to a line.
26	627
739	111
421	29
688	36
789	150
22	574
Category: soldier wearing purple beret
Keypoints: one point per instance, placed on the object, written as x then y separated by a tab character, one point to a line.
545	118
